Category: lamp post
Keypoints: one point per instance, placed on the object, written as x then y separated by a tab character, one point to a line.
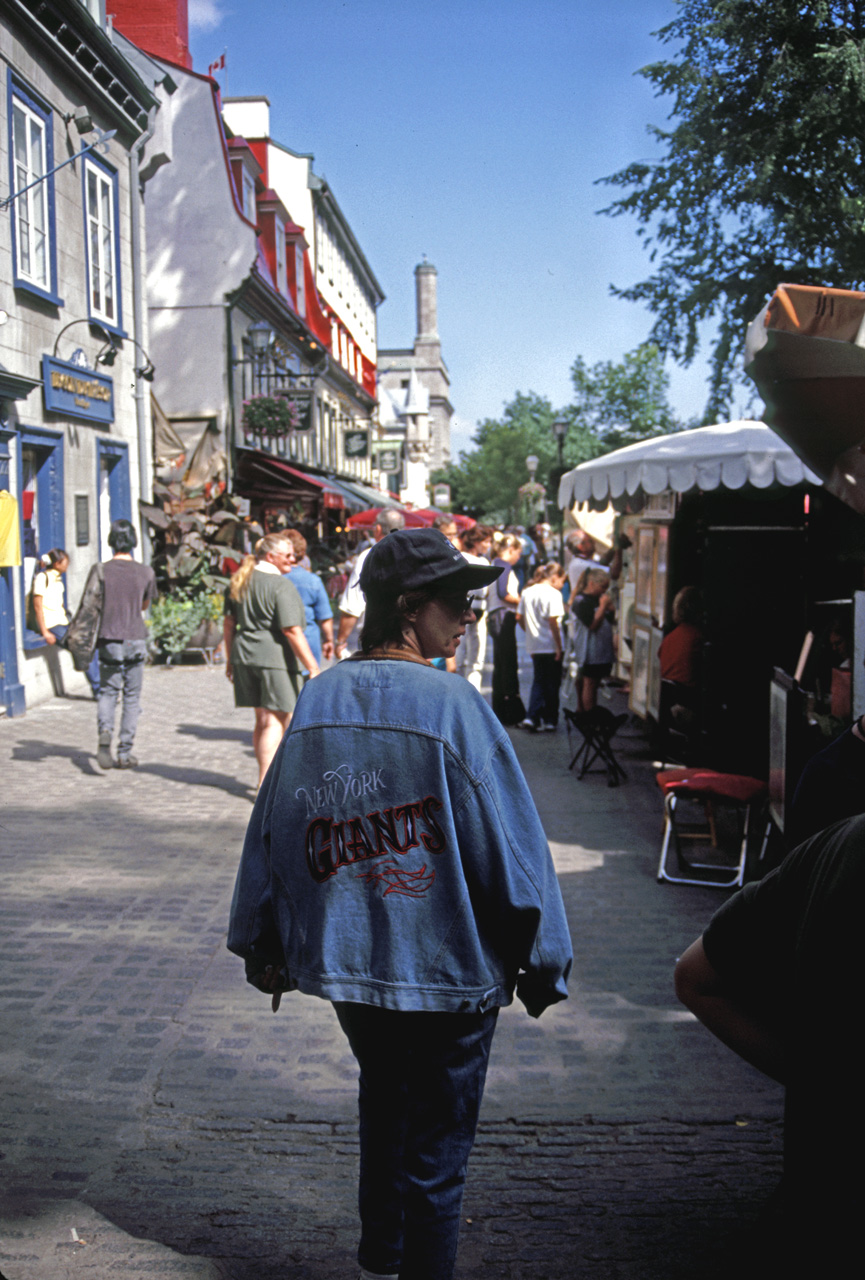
260	336
560	430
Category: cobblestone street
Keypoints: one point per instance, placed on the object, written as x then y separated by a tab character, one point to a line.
154	1107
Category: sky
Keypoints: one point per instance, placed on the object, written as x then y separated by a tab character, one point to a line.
472	132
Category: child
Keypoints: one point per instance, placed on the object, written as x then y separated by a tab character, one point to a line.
539	613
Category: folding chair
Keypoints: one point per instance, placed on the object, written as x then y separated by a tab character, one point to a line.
597	727
708	787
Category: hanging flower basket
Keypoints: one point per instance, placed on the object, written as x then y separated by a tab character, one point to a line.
271	416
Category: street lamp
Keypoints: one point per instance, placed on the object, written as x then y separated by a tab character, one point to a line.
560	430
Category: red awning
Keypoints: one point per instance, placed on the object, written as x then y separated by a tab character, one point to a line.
262	476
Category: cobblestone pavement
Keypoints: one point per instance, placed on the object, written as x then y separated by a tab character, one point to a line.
153	1106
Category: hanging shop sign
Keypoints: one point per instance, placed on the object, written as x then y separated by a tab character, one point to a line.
356	444
76	391
388	460
442	495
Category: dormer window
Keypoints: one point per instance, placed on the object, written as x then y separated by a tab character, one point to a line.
249	195
281	282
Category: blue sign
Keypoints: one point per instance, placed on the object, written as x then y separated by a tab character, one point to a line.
77	392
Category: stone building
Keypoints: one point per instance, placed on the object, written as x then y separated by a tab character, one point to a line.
75	429
424	360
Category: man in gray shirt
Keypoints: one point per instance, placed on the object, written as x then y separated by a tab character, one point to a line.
128	589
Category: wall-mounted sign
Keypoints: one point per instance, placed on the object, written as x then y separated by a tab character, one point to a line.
388	460
442	495
356	444
77	392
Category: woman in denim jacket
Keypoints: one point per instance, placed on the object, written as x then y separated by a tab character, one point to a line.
395	864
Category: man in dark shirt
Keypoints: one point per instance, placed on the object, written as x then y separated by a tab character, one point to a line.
777	976
832	786
128	589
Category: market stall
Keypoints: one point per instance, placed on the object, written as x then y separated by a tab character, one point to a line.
724	508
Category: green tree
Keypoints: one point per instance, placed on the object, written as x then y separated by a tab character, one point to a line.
615	404
759	182
625	402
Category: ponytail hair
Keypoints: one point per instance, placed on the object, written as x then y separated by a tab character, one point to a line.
49	559
543	573
239	584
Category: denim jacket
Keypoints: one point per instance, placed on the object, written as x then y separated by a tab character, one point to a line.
395	856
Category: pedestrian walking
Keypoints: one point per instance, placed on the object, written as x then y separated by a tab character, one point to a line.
395	864
475	545
540	614
309	586
127	589
265	647
502	600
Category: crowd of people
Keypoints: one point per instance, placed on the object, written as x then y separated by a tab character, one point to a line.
395	786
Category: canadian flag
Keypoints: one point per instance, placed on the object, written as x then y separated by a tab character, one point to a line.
218	65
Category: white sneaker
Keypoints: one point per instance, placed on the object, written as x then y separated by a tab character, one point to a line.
528	724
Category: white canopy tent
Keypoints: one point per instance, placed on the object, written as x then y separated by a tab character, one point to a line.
728	455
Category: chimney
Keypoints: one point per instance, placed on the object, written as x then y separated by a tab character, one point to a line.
159	27
426	278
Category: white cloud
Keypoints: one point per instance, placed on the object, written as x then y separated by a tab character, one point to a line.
204	15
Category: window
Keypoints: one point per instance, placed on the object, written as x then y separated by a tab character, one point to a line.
281	282
249	196
31	159
100	216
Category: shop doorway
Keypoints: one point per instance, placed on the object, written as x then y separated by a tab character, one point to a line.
112	487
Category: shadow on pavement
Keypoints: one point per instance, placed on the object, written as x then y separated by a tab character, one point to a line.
217	733
200	778
38	751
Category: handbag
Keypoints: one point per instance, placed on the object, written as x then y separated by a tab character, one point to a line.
83	631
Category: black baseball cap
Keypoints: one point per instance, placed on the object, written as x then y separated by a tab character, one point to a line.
410	559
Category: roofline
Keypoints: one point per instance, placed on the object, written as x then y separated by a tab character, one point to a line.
322	186
76	17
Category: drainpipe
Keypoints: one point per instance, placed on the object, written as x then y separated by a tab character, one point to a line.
145	463
231	301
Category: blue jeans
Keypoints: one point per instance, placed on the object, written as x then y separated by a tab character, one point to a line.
421	1083
121	669
544	698
92	670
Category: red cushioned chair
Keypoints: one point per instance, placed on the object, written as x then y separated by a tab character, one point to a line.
709	788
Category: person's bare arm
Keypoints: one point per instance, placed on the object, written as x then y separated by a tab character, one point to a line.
557	636
326	626
40	618
701	989
301	649
229	626
347	624
605	606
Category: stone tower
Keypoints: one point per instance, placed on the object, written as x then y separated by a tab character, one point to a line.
424	359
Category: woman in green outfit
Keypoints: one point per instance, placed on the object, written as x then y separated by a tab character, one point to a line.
265	647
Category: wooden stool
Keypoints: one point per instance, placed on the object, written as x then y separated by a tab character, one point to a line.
708	787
